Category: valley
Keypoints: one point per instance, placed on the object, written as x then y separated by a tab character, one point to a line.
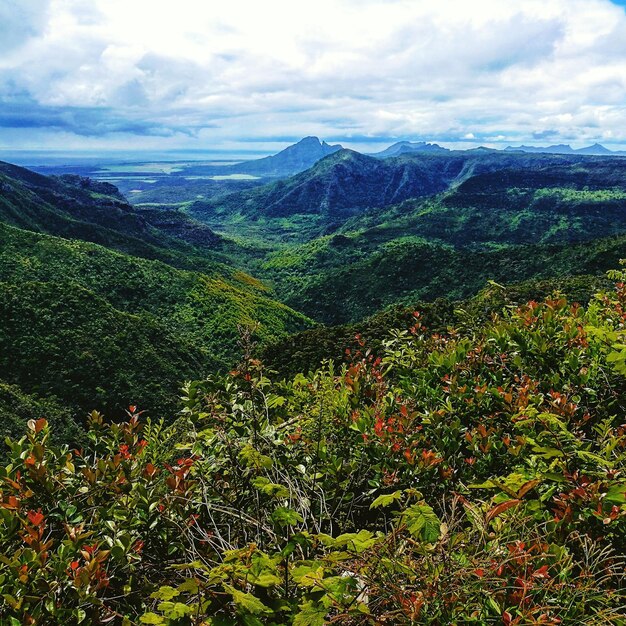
322	237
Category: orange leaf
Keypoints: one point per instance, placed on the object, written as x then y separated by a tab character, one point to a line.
526	487
40	424
11	503
501	508
542	572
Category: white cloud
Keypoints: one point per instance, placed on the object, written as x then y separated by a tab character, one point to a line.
197	73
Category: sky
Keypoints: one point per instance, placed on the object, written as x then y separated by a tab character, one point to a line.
252	76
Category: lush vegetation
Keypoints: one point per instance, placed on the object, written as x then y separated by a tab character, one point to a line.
354	233
16	408
343	279
473	475
93	327
306	351
462	461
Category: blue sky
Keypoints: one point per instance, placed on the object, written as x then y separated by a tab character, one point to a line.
253	76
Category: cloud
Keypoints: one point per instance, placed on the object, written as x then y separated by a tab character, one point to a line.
21	20
86	121
202	74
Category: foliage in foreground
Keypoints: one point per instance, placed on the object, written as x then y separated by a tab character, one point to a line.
473	476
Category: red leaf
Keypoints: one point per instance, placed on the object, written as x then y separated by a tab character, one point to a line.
35	518
542	572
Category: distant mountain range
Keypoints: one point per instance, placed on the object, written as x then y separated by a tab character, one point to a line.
348	183
595	150
308	151
405	147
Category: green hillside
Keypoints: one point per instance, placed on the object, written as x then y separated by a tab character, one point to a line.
80	208
98	328
341	279
539	220
306	351
17	408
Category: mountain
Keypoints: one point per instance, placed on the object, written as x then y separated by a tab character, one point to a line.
343	184
595	150
292	160
404	147
95	327
102	304
512	224
347	184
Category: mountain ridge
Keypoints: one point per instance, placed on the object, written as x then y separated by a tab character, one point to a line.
404	147
594	150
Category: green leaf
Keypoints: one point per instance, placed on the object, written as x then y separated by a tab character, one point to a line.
151	618
265	579
174	610
253	458
165	593
189	586
308	575
616	494
284	516
311	614
269	488
247	602
356	542
273	401
547	453
590	456
386	499
422	522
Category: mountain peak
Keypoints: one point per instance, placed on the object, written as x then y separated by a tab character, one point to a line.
310	140
313	145
595	149
295	158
